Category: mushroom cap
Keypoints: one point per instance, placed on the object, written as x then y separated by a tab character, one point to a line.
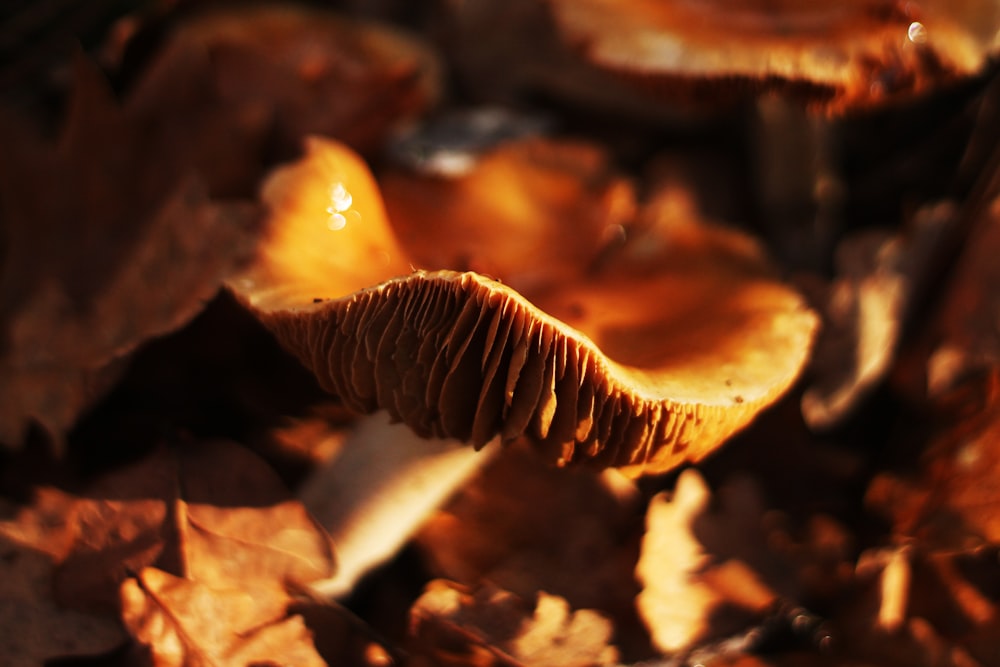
653	360
511	213
844	54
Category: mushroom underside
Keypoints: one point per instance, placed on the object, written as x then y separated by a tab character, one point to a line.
462	356
648	358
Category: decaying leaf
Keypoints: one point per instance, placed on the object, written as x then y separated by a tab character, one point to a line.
758	661
238	87
317	436
111	237
572	533
44	526
702	572
951	499
924	608
838	53
967	341
211	512
187	623
104	247
568	298
652	358
32	628
866	307
489	626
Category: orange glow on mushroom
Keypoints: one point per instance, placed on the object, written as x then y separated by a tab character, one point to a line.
656	358
843	54
334	237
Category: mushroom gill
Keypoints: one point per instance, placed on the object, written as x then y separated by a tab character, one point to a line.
655	358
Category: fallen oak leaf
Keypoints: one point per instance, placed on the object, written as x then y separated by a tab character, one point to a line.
186	623
212	512
923	607
44	525
572	533
33	628
104	248
343	638
950	499
585	368
233	88
493	626
757	661
249	506
864	314
79	258
964	330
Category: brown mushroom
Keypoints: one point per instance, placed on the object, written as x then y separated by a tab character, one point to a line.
840	53
656	358
491	211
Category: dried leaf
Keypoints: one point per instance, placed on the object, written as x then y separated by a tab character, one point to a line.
211	512
587	368
864	314
342	638
317	436
951	499
838	54
705	574
966	340
926	609
236	87
45	524
194	624
491	626
572	533
750	661
104	248
32	628
111	238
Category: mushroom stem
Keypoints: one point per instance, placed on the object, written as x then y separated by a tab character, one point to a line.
799	190
372	497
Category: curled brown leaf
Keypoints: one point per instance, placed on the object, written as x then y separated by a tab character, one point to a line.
488	625
33	628
211	512
184	623
705	573
104	248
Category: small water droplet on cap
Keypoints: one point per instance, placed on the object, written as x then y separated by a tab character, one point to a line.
340	199
917	33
